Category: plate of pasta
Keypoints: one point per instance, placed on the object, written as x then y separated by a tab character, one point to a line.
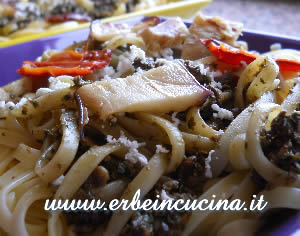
171	110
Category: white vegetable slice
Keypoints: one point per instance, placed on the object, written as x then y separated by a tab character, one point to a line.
104	32
212	27
167	88
167	34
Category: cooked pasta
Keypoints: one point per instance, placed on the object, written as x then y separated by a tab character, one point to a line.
113	116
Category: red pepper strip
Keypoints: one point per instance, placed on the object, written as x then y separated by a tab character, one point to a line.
67	63
67	55
225	53
87	55
68	17
29	69
288	65
228	54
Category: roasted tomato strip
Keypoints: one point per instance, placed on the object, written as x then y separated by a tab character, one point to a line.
228	54
233	56
288	65
68	17
67	63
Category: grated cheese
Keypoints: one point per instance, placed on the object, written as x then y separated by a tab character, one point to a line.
162	61
216	84
107	73
139	71
60	82
136	52
167	53
207	161
10	105
133	154
221	113
3	108
43	91
21	103
124	140
127	59
124	64
161	149
203	70
214	74
6	107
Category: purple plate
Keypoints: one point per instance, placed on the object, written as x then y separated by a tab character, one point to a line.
11	59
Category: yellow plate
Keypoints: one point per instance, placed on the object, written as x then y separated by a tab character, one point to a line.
184	9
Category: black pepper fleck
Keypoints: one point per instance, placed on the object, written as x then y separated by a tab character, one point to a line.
67	97
24	110
35	104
